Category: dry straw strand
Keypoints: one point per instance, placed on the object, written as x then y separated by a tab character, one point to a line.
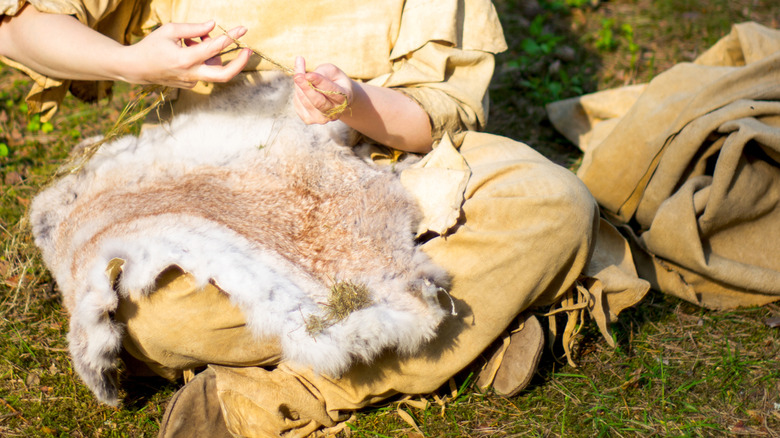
130	114
240	45
124	123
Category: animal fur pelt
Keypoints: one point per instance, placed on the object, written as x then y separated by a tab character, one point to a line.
245	196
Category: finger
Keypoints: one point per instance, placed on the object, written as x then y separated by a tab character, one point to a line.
234	34
224	73
300	65
300	82
323	82
235	66
322	100
302	101
177	31
310	118
237	32
209	49
180	83
212	47
215	61
301	111
299	72
307	111
314	97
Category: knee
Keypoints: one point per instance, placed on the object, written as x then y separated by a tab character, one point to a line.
576	205
514	186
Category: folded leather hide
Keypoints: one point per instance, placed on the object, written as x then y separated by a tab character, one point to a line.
244	195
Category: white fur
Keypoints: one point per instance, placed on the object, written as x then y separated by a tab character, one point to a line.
229	228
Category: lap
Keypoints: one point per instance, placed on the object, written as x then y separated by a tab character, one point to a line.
523	237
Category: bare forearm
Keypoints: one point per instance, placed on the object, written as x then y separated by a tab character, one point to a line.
389	117
383	114
59	46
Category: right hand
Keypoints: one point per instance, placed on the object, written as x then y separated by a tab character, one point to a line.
160	58
320	91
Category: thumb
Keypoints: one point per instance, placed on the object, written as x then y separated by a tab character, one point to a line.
300	65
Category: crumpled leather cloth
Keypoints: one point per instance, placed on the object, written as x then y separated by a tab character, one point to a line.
687	167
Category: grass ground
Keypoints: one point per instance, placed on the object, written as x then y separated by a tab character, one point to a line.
678	370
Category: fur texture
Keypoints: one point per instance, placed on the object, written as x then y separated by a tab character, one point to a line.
244	195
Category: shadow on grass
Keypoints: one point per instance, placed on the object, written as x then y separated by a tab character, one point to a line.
654	309
139	391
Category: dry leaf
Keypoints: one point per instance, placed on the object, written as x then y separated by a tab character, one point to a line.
5	268
18	280
633	382
756	416
32	380
407	417
15	137
12	178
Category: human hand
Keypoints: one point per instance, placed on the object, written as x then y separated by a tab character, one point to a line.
321	92
161	59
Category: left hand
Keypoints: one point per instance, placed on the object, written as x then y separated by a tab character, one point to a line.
312	105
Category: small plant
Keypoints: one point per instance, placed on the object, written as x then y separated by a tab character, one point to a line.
540	42
605	38
565	5
627	32
35	125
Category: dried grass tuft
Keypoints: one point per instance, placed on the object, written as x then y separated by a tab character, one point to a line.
124	123
345	297
19	268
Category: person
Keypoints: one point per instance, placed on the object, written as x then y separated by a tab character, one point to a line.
141	63
516	232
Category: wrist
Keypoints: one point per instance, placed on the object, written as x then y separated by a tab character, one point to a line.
124	65
356	97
